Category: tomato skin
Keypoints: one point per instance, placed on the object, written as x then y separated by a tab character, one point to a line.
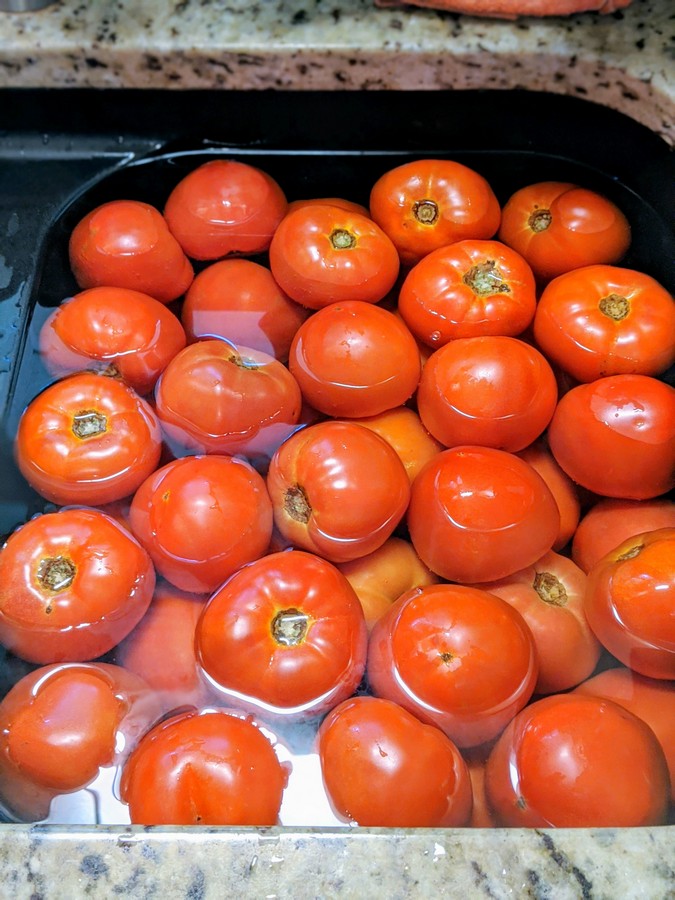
340	202
402	428
468	289
382	767
494	511
561	486
429	203
558	226
222	207
455	657
630	603
207	767
100	461
560	760
324	254
616	436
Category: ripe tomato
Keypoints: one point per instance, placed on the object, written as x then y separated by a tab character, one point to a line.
574	761
616	436
561	486
559	226
382	767
200	518
113	330
429	203
324	254
285	634
455	657
215	397
354	359
605	320
468	289
207	767
340	202
325	497
481	815
488	391
87	439
494	511
630	602
73	583
222	207
127	244
402	428
239	300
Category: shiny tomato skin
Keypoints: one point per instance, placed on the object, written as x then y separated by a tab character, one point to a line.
224	206
340	202
200	518
114	330
204	767
87	439
494	511
429	203
561	486
616	436
574	761
403	429
382	767
456	657
630	603
73	583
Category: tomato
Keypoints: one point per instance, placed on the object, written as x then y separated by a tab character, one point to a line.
87	439
60	724
114	330
481	815
354	359
468	289
611	522
429	203
574	761
558	226
224	206
324	254
402	428
239	300
549	595
285	634
630	602
200	518
616	436
340	202
127	244
561	486
215	397
605	320
325	497
488	391
492	509
382	767
206	767
455	657
73	583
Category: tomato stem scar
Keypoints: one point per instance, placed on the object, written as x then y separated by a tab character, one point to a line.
289	627
540	220
485	278
632	552
243	362
55	573
89	423
341	239
550	588
614	306
296	504
425	211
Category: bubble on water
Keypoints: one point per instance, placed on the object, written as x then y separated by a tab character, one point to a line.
435	336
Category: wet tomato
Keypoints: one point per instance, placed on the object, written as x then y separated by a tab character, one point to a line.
402	428
562	487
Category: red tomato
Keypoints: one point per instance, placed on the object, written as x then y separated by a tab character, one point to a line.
616	436
572	761
481	816
561	486
630	602
455	657
222	207
468	289
604	320
325	497
87	439
402	428
488	391
382	767
494	511
200	518
114	330
428	203
559	226
323	254
354	359
341	203
73	583
206	767
285	634
239	300
127	244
